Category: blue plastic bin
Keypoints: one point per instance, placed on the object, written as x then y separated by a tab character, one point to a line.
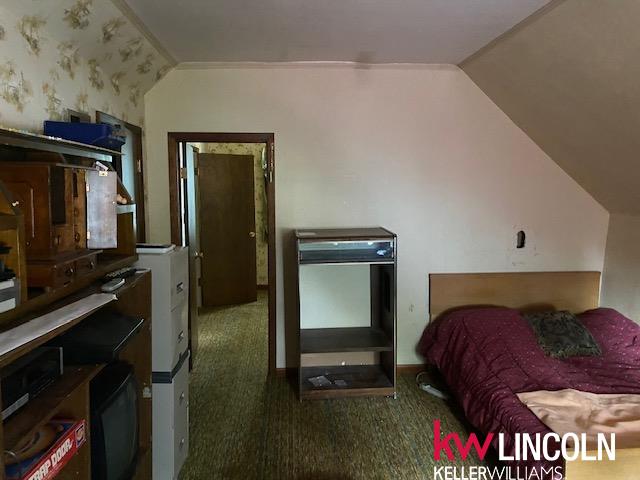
98	134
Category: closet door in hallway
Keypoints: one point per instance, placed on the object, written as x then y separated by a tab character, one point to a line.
227	229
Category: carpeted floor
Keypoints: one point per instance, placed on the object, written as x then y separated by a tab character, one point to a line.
245	426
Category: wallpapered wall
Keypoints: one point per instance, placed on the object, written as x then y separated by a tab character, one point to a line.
262	242
78	54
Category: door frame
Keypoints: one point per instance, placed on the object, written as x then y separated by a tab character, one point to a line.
176	214
141	215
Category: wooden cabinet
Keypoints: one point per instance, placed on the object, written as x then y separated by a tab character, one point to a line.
66	210
346	282
69	396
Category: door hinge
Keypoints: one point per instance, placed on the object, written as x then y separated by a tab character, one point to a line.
196	171
139	166
88	235
183	172
271	162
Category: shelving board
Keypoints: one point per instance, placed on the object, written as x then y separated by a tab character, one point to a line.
350	339
358	380
43	408
44	143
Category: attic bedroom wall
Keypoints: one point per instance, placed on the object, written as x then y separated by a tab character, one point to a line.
75	54
621	278
420	150
568	76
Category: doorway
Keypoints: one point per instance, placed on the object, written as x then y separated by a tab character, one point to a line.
222	197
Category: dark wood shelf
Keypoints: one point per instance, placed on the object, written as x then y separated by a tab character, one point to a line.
43	408
349	261
349	339
359	380
44	143
41	301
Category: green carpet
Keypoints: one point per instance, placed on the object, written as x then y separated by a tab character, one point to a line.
245	426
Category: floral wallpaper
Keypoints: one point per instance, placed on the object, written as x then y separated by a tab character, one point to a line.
262	242
78	54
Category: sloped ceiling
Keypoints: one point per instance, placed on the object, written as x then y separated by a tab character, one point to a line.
367	31
570	78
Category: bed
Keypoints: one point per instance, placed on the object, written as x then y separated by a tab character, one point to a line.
488	354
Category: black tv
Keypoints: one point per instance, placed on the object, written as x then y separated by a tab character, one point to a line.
114	423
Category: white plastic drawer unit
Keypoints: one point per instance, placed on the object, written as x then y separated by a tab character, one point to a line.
346	251
171	421
170	306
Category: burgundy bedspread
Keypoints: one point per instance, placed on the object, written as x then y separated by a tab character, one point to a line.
487	355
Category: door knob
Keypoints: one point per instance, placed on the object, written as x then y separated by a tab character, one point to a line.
199	254
252	234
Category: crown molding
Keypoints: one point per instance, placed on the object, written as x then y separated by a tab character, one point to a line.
315	64
130	15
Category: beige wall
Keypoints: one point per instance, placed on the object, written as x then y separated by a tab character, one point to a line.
621	280
420	150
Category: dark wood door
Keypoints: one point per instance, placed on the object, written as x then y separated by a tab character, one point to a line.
227	229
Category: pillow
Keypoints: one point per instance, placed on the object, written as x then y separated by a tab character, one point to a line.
562	335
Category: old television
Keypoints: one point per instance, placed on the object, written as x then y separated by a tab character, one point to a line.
114	423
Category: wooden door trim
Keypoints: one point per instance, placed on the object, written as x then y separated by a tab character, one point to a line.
173	139
141	215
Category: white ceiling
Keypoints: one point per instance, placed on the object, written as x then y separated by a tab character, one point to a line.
367	31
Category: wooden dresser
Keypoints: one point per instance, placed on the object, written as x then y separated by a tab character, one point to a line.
59	214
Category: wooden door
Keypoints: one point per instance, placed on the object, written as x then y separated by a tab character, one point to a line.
227	229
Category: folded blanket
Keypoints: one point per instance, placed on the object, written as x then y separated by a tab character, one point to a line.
573	411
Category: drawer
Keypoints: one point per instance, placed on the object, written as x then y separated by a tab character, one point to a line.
179	276
169	334
180	323
86	265
51	275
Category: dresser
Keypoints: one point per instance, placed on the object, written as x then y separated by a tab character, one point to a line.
170	359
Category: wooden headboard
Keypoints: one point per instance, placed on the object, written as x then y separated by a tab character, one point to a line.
526	291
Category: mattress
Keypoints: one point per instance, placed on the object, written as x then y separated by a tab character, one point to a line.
489	355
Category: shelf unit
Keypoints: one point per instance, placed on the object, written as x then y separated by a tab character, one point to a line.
341	358
69	395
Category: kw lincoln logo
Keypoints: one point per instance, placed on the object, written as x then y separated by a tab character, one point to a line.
549	447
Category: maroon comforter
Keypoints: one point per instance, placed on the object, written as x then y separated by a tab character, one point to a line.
487	355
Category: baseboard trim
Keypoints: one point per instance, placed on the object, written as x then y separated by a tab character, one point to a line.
413	368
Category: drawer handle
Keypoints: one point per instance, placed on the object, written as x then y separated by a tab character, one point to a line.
180	287
69	272
181	336
182	397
